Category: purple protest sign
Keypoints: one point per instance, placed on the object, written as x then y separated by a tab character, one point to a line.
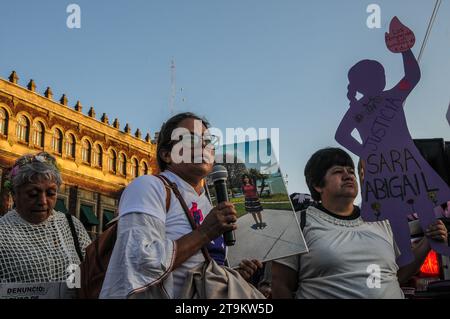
398	181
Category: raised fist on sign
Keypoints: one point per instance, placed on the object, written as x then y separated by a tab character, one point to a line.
400	38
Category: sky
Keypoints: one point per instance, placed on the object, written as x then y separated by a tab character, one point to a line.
253	63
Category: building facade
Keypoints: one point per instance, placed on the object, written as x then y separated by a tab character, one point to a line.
97	159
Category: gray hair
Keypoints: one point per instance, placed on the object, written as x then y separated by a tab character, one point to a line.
35	171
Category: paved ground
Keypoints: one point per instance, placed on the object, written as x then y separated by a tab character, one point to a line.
280	238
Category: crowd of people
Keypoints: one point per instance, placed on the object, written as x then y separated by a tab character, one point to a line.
157	246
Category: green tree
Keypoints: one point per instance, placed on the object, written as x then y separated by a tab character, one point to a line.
236	168
256	176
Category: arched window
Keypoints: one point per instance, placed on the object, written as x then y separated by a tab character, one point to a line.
38	134
144	168
123	164
98	154
86	152
70	145
3	121
23	129
112	159
134	168
57	141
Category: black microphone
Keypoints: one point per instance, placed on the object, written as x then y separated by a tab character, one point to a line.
219	177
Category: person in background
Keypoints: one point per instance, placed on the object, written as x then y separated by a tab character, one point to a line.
5	202
252	203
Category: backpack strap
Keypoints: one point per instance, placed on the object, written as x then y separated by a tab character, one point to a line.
74	235
190	218
168	199
302	219
168	191
302	225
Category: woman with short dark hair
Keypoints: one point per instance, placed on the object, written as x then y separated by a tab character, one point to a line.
348	257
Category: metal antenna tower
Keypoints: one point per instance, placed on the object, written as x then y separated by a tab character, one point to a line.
172	87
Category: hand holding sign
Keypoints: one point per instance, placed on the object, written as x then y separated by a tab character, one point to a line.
400	38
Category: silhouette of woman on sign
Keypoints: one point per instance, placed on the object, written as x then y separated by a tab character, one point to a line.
397	181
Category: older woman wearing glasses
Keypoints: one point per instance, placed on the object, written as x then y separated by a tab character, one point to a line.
156	244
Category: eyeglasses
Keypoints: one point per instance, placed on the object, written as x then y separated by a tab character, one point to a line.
195	140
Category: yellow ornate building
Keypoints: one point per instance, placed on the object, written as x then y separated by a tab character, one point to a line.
97	159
